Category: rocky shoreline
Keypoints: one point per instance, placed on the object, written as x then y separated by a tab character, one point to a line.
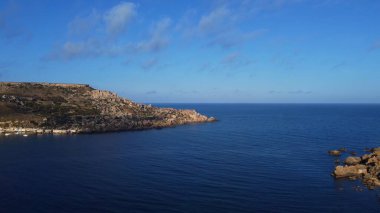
27	131
49	108
366	167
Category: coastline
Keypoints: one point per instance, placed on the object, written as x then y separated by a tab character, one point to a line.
51	108
47	131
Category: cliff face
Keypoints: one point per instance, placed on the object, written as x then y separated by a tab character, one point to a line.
75	108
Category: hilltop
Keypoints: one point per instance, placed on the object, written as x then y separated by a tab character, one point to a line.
79	108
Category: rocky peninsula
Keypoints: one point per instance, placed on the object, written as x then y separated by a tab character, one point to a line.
46	108
365	167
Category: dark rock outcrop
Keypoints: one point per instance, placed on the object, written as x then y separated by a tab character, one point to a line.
78	108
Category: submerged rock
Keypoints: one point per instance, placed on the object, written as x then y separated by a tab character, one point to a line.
335	152
343	149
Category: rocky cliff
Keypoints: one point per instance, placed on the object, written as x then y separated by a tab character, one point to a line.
78	108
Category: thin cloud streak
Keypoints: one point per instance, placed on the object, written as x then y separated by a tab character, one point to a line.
149	64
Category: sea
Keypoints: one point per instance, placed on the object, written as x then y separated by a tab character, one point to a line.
255	158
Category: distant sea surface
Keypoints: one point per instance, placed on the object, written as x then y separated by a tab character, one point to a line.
257	158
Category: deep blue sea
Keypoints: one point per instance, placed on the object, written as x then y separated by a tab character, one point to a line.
256	158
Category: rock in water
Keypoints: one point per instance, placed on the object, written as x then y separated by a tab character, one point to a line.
335	152
349	171
77	108
367	168
352	160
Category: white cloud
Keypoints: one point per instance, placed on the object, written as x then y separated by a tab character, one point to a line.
214	21
82	49
235	37
84	24
118	17
93	36
161	26
85	49
71	49
94	31
219	26
159	38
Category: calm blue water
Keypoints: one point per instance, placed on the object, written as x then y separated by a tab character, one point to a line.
257	158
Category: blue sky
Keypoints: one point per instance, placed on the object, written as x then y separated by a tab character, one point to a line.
251	51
